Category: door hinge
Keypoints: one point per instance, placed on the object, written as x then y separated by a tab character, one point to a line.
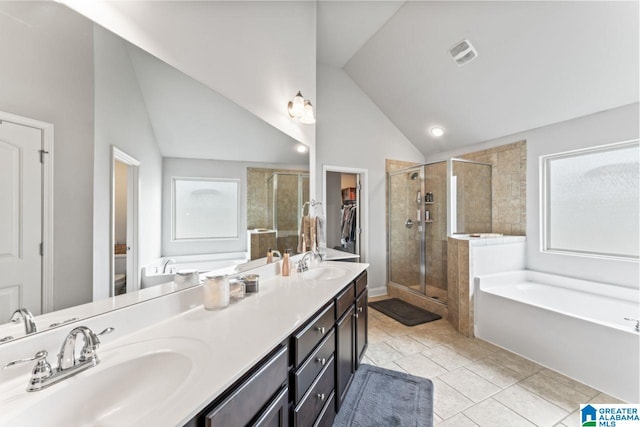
358	230
358	187
41	249
42	153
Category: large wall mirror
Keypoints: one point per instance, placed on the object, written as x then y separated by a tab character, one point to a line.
114	128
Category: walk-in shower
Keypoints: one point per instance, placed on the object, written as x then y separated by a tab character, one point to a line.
427	203
286	193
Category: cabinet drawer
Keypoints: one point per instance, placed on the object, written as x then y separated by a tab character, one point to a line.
344	300
307	411
312	367
361	283
328	413
248	399
305	340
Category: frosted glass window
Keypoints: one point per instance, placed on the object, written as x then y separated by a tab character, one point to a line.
205	208
591	201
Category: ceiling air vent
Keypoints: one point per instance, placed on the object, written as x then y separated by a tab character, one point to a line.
463	52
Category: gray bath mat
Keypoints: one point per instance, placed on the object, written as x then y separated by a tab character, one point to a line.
380	397
404	312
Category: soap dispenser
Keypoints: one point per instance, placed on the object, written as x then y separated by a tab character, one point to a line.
269	256
286	264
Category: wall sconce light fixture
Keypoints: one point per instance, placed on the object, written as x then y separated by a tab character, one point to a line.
301	109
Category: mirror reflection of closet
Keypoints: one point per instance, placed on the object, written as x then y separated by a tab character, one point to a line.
343	216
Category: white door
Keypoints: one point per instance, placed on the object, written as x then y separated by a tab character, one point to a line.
20	219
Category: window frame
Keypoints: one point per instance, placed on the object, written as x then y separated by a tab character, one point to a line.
545	200
174	179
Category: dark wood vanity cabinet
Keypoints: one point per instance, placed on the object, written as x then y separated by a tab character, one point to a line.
303	382
345	354
351	334
257	399
362	326
277	413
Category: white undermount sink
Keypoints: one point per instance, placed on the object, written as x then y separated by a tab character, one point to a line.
130	382
324	273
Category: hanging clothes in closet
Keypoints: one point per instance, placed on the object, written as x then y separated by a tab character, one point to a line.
348	226
311	235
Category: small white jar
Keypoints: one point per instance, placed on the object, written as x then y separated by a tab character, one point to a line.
216	292
186	277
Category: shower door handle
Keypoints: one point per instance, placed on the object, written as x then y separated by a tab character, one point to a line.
408	223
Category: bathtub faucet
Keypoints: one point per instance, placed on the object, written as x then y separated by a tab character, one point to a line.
164	267
634	320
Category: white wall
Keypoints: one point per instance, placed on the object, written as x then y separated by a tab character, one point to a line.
196	168
606	127
257	54
121	120
352	132
47	75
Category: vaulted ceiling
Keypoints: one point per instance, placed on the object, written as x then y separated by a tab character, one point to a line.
538	63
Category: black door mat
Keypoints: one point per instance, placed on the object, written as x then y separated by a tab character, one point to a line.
404	312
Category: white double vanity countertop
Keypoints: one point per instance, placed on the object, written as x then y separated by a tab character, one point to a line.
167	358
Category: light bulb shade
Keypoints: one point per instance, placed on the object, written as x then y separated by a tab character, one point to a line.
296	106
307	115
301	148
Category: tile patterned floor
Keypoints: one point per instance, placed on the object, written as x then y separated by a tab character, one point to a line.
477	383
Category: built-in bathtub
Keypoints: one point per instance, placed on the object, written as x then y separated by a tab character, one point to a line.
156	273
575	327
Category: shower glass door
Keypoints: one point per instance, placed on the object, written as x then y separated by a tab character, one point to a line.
406	228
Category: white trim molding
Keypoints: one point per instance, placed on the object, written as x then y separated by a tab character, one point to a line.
364	202
133	186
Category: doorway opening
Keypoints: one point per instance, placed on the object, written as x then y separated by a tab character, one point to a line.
344	198
124	223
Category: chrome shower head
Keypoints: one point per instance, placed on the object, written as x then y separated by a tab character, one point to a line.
414	176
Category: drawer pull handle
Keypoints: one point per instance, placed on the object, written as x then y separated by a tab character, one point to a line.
355	315
360	309
322	360
321	330
320	396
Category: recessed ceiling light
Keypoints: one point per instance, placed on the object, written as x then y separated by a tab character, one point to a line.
436	131
301	148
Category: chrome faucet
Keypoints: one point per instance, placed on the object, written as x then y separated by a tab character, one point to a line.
305	261
67	355
24	315
303	264
44	376
164	267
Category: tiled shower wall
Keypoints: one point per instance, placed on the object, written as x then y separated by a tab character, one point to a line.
508	186
473	198
402	268
404	243
260	198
